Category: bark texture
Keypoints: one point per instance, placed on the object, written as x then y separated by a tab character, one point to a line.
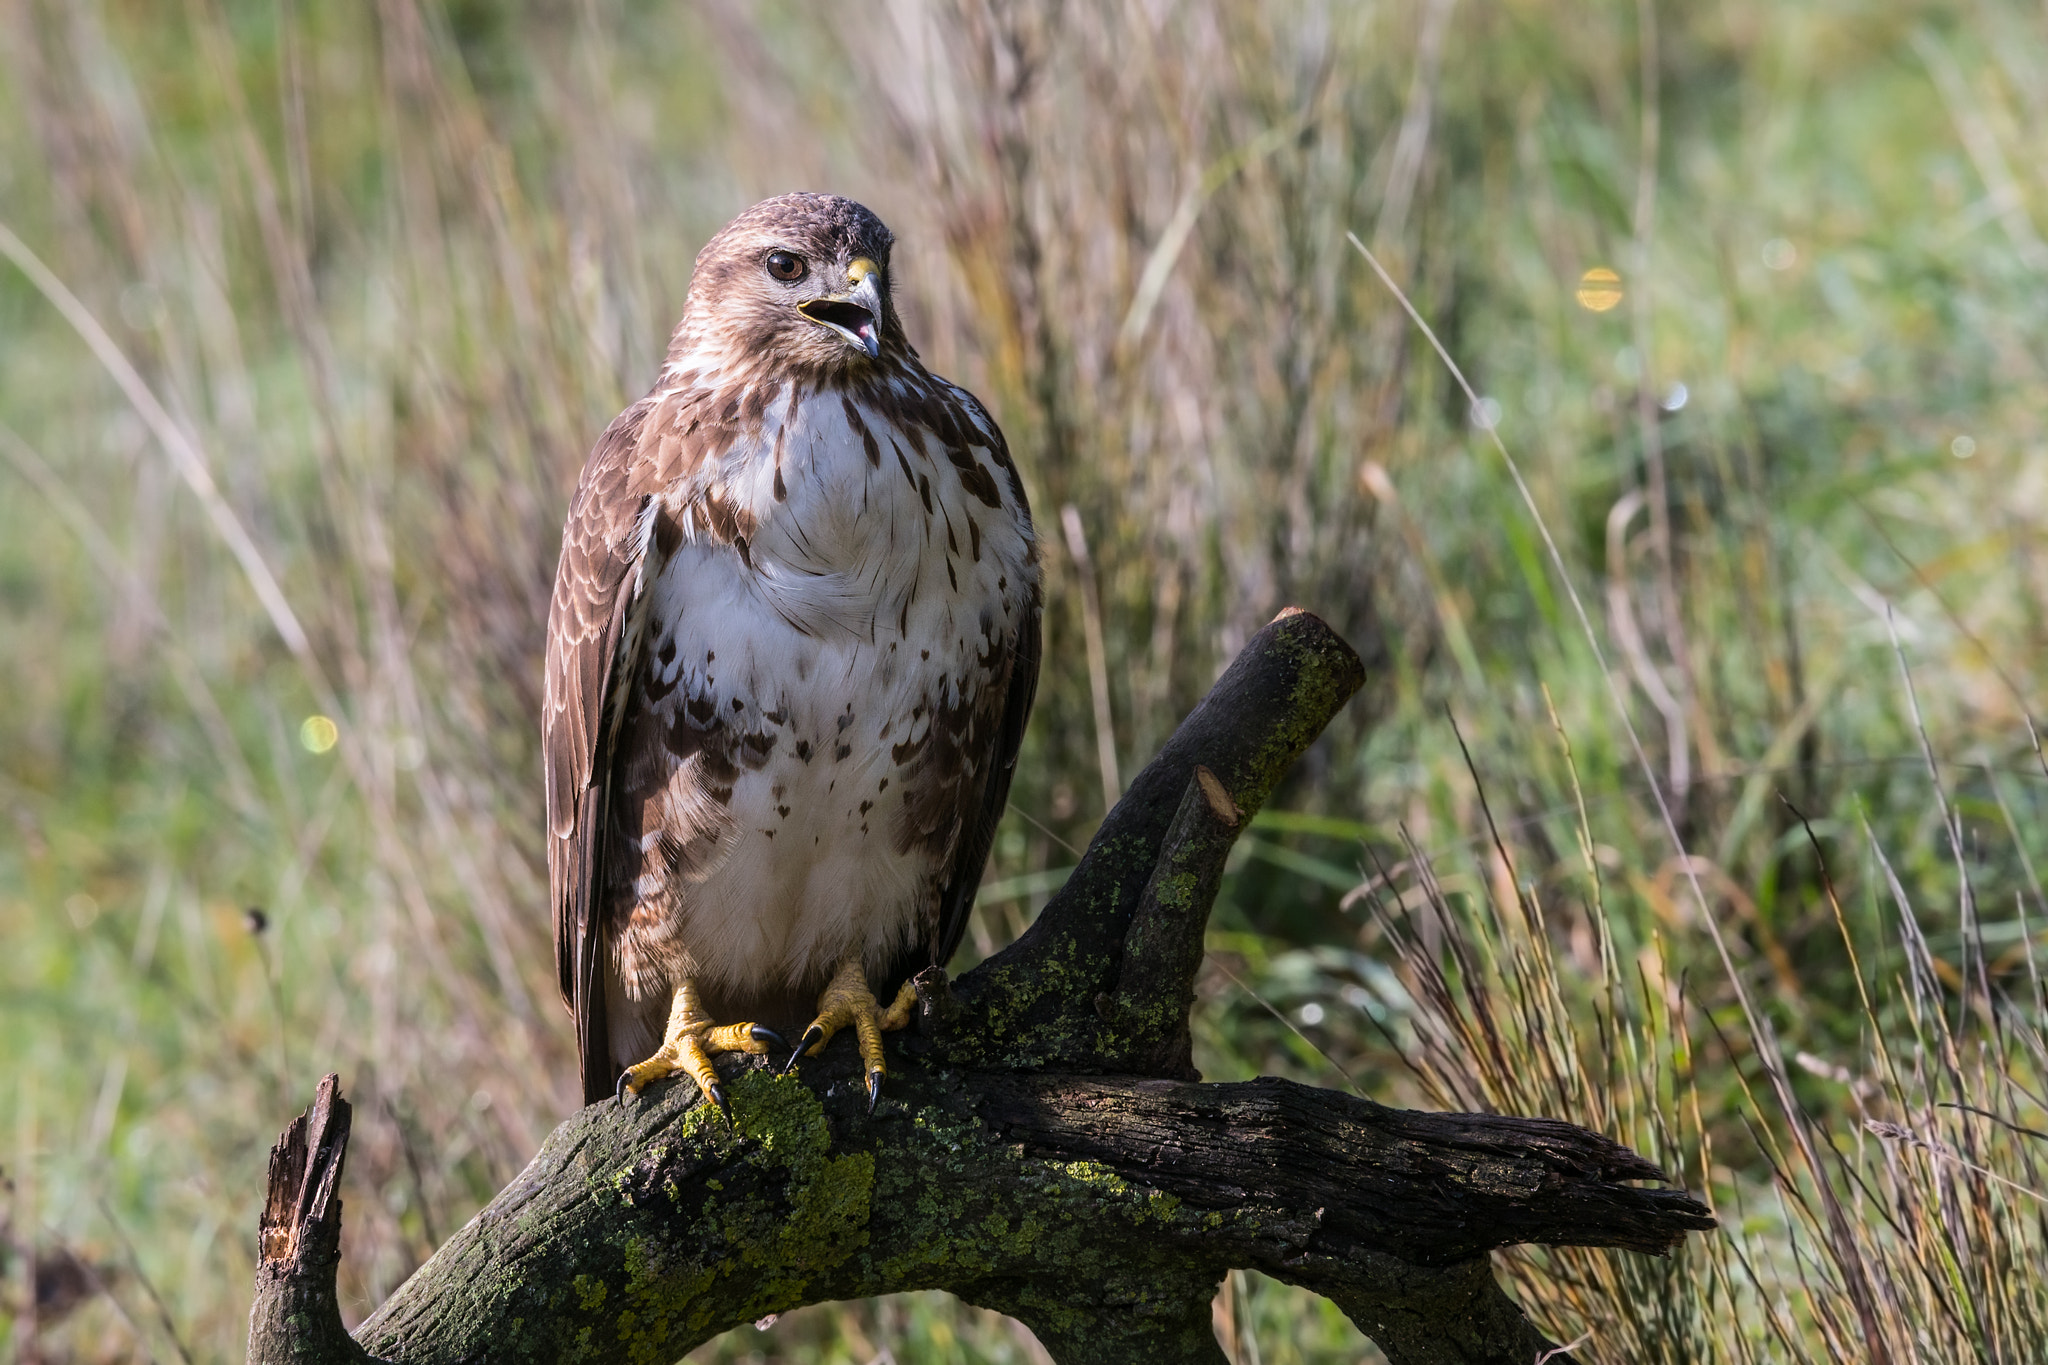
1042	1147
295	1318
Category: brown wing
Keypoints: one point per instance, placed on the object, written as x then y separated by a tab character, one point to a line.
586	623
978	833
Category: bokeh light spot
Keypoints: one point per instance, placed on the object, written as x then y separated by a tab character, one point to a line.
1962	447
1780	254
1599	289
318	734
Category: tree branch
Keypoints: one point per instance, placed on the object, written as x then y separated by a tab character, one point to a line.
295	1317
1002	1163
1019	1008
1155	985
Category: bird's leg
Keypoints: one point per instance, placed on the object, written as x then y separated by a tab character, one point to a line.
689	1044
847	1000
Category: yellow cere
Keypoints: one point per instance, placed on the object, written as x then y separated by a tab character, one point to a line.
318	734
1599	289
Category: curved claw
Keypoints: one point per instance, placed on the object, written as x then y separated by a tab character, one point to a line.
761	1033
619	1087
874	1089
811	1038
716	1094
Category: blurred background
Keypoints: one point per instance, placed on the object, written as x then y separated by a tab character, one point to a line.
1694	795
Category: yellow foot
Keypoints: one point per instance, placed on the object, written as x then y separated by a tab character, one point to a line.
690	1043
847	1000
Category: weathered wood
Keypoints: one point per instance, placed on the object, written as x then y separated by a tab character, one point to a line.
1431	1189
295	1317
1058	1199
1002	1164
1155	985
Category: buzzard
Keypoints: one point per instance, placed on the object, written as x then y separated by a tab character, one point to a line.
792	646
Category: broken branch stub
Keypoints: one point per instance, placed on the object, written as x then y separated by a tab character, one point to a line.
295	1317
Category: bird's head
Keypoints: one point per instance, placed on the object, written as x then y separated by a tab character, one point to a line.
801	281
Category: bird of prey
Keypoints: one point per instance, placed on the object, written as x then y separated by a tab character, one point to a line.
792	647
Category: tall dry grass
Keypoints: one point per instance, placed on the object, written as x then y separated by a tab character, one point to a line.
1896	1218
375	276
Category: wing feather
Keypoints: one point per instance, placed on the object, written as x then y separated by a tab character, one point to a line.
594	585
978	833
999	763
956	900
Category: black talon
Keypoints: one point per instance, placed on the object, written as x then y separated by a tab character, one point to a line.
619	1088
717	1096
761	1033
874	1089
811	1036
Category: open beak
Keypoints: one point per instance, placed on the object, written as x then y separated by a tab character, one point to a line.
855	314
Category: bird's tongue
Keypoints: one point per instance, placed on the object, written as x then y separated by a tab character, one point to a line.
848	318
840	313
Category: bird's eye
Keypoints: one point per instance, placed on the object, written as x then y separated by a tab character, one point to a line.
784	266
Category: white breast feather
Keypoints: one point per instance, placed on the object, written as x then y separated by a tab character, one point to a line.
847	590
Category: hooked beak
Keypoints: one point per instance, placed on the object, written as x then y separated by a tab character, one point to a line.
855	314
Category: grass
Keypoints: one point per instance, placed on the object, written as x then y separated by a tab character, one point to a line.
387	274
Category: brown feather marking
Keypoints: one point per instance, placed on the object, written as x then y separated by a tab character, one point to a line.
962	814
725	519
758	397
672	781
853	418
982	484
668	536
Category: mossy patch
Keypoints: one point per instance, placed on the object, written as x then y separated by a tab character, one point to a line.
791	1212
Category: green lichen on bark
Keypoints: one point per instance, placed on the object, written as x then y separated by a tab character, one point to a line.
756	1239
804	1199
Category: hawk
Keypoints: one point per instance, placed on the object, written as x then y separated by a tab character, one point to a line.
792	647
